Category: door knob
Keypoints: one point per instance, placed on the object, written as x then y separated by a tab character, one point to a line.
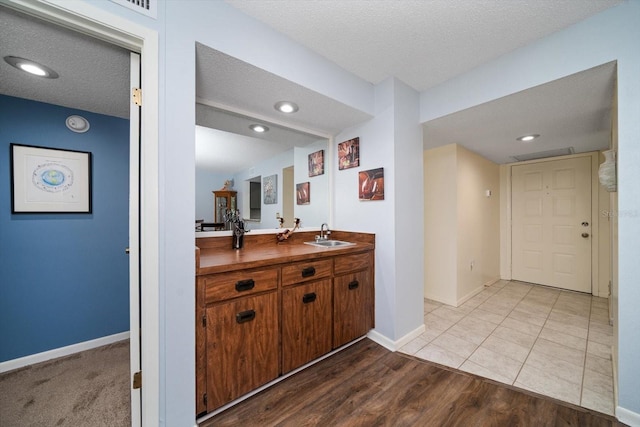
585	235
126	251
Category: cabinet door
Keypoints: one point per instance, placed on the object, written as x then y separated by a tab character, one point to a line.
352	306
242	347
306	323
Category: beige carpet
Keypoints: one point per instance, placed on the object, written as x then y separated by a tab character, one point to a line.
90	388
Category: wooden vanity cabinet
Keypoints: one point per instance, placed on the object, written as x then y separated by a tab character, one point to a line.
254	325
353	298
306	312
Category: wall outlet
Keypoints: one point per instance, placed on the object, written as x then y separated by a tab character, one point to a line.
277	215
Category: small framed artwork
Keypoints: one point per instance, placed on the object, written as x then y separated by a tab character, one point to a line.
316	163
270	189
303	196
349	154
50	180
371	184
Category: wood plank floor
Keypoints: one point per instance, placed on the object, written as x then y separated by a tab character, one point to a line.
367	385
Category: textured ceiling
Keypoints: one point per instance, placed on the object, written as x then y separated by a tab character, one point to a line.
423	43
94	76
420	42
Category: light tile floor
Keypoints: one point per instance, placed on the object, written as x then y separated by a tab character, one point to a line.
550	341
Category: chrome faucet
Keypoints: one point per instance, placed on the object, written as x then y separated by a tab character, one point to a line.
324	234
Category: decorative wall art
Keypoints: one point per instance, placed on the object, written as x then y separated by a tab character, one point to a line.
371	184
349	154
270	189
303	196
50	180
316	163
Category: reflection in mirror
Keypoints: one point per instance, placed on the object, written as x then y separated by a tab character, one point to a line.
263	169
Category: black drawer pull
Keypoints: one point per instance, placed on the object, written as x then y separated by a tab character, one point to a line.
245	316
310	297
245	285
354	285
308	272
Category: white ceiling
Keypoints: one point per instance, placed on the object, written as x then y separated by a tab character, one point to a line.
422	43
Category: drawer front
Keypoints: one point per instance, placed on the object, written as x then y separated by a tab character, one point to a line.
223	286
307	270
353	262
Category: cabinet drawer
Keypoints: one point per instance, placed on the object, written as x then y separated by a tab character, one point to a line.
353	262
234	284
306	270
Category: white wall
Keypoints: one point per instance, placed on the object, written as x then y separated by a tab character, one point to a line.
462	224
441	224
409	210
392	140
478	223
317	211
266	168
206	183
610	35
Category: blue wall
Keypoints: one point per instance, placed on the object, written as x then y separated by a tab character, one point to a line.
63	277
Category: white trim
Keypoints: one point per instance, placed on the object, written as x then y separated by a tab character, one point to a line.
88	19
32	359
628	417
390	345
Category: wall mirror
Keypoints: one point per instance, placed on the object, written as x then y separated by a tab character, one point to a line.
265	170
232	95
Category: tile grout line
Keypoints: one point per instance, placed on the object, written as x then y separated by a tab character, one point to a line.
537	336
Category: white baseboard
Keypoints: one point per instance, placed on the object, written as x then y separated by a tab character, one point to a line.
377	337
20	362
628	417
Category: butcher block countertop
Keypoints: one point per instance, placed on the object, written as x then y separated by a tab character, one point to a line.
215	255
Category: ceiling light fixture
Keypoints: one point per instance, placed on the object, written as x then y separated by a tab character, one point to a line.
259	128
286	107
527	138
31	67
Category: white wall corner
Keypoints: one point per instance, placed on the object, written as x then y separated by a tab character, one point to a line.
32	359
473	293
628	417
391	345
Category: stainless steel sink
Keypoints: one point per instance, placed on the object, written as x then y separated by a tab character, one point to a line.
329	243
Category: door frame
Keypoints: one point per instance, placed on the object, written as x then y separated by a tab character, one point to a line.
88	19
506	223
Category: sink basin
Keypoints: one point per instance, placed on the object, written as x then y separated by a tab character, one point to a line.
329	243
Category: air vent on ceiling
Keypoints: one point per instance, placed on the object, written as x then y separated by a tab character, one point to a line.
146	7
543	154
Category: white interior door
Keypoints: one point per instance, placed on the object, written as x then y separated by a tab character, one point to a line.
134	242
551	223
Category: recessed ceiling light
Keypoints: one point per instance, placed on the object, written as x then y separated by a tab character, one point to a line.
286	107
527	138
259	128
31	67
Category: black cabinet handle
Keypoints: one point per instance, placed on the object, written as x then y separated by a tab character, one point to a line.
354	285
308	272
245	316
310	297
245	285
